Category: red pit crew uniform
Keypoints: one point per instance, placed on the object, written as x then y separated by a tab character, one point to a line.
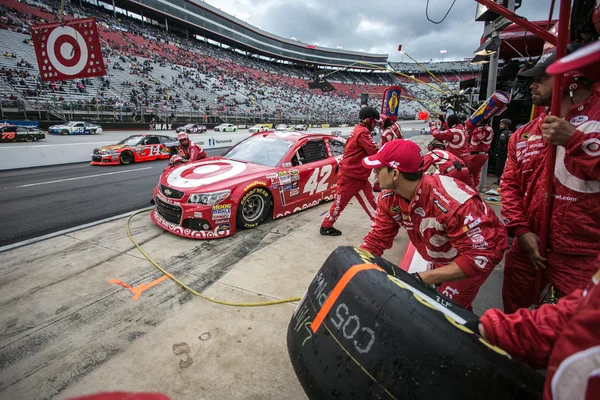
353	178
192	152
574	239
393	132
456	138
563	338
444	163
481	140
446	221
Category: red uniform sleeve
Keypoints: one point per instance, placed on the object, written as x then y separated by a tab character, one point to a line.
427	162
365	140
513	213
478	236
194	153
383	230
479	134
441	135
582	148
530	335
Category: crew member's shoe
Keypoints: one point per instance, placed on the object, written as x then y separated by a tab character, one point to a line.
331	231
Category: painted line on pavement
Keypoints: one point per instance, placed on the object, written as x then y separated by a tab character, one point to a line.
65	231
53	145
81	177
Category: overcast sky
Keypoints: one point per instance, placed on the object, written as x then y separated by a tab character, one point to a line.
376	26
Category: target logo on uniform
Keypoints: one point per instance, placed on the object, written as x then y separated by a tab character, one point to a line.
68	51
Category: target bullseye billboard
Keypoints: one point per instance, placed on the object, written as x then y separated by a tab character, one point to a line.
68	51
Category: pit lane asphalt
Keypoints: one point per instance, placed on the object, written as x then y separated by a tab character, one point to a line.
40	201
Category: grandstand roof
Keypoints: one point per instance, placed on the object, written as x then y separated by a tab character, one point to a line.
215	24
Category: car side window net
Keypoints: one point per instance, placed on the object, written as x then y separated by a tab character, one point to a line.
313	151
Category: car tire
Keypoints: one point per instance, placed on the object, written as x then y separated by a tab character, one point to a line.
29	139
385	335
253	208
126	158
64	132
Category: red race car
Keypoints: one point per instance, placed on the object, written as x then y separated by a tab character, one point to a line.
268	174
136	148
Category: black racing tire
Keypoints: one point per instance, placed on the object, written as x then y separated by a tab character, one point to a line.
126	158
388	336
64	132
29	138
92	131
254	207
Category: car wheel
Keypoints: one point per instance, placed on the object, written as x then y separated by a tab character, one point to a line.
92	132
365	329
29	138
64	132
254	208
126	157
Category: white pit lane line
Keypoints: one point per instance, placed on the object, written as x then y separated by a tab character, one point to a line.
80	177
11	146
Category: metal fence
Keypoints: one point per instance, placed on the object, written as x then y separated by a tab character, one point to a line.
65	110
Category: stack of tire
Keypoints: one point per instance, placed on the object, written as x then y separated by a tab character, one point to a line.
365	329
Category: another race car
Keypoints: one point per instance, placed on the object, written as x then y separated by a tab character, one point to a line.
75	128
258	128
17	133
136	148
225	128
284	127
301	127
195	128
273	174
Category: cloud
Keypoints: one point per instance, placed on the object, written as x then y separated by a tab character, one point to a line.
377	26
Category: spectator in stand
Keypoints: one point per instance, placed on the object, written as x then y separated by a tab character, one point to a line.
353	178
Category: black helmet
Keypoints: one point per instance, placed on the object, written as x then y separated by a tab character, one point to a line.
453	120
368	112
436	144
506	122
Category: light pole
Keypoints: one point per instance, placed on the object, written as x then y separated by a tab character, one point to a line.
443	52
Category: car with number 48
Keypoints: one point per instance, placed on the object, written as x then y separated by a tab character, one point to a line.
268	175
136	148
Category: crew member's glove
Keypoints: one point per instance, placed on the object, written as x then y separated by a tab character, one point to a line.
441	117
418	277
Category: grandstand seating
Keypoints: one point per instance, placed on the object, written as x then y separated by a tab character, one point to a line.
167	74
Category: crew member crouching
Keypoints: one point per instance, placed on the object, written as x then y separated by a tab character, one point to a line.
446	221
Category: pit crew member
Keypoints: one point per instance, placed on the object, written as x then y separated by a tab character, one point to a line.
479	146
390	131
562	338
353	178
447	222
455	135
574	239
187	150
439	161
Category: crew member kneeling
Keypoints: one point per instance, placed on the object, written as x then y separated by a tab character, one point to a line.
187	150
446	221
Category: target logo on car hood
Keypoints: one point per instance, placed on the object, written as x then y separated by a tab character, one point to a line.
68	51
204	173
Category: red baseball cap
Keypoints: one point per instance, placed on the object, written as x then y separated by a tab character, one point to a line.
586	60
400	154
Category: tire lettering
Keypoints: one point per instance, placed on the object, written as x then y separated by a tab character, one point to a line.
349	325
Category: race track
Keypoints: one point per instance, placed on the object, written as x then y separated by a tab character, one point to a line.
39	201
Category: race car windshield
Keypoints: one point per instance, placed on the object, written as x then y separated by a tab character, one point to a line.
131	140
265	151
